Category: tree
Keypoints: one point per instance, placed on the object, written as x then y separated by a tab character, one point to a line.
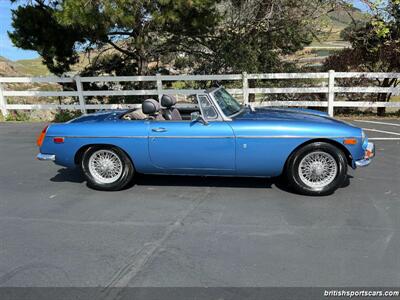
139	31
254	35
206	36
375	46
36	28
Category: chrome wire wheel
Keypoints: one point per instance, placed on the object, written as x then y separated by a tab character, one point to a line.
105	166
318	169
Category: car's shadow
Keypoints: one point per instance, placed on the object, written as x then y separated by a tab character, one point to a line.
68	175
74	175
205	181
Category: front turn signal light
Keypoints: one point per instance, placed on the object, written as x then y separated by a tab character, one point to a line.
369	154
350	141
41	137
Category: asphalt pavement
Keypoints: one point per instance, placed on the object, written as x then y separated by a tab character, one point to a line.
195	231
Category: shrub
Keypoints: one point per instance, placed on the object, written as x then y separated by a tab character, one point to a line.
62	116
18	116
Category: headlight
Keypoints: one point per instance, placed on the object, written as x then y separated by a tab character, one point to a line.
363	136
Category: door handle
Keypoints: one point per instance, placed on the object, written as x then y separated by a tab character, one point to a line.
160	129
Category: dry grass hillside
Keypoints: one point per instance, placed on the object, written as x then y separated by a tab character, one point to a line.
8	68
25	67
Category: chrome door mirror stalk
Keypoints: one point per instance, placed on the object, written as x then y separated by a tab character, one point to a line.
196	117
251	107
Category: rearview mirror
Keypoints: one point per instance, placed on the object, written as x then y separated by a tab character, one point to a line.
197	117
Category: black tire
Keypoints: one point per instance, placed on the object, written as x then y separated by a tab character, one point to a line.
299	182
125	172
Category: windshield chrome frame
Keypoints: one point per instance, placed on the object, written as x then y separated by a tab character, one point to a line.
220	117
224	117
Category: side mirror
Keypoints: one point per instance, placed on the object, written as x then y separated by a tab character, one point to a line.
196	117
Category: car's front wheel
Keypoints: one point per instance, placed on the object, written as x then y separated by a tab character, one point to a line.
317	169
107	168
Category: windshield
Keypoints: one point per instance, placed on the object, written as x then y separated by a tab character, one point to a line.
226	102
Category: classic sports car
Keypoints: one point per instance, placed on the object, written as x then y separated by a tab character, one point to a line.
219	137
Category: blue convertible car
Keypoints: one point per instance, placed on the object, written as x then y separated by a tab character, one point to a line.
219	137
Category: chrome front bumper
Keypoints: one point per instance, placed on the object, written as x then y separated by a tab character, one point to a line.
363	162
369	154
42	156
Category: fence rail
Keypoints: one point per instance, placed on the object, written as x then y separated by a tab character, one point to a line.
330	89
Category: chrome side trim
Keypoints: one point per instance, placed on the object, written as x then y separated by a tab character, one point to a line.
211	137
250	137
289	137
190	137
42	156
100	137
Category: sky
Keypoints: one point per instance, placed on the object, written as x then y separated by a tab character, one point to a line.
7	49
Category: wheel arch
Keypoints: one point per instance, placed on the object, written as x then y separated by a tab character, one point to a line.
346	152
79	154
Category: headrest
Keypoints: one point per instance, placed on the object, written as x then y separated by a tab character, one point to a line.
168	101
150	107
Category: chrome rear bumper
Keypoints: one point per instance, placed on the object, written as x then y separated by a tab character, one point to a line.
42	156
369	154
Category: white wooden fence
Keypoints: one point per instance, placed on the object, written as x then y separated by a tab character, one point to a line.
330	89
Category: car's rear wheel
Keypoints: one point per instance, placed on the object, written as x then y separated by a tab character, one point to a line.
317	169
107	168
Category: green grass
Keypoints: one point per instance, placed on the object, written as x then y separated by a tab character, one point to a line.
395	99
18	116
33	67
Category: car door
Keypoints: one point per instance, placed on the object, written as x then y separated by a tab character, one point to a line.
193	147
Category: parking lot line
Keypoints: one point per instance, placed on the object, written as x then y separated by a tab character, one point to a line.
383	139
381	131
376	122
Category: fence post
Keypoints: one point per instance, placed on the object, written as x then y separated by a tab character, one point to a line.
245	88
331	92
159	86
79	89
3	102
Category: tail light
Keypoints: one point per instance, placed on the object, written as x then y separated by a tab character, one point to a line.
41	137
58	140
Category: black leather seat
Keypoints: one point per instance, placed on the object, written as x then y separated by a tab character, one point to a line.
152	108
170	112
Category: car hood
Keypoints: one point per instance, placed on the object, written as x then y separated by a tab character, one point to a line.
284	114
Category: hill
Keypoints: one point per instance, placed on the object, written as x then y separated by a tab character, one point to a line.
33	67
329	41
341	18
8	68
26	67
336	21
